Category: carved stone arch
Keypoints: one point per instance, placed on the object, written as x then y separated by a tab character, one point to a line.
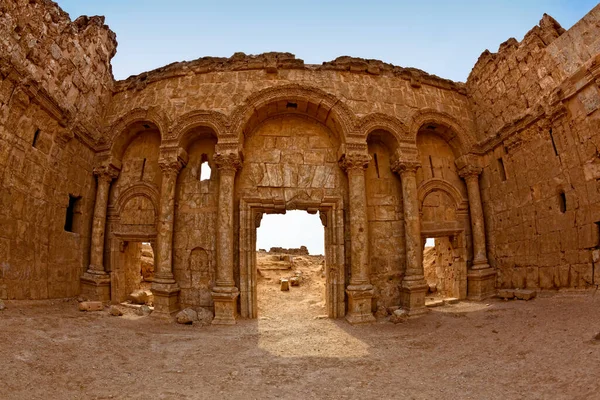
459	138
377	121
294	98
441	185
215	121
121	135
139	189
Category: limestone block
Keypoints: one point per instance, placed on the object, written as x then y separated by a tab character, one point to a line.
506	294
285	285
186	316
91	306
525	294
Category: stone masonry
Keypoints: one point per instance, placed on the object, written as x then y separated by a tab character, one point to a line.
506	165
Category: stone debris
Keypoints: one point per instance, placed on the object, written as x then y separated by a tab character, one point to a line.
186	316
382	312
432	288
399	316
525	294
451	300
115	311
205	316
2	305
143	311
295	281
91	306
434	303
597	336
285	285
506	294
140	296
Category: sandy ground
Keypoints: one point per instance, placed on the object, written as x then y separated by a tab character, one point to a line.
541	349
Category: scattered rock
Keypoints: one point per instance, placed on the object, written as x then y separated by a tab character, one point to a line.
115	311
451	300
432	288
187	316
91	306
285	285
399	316
139	297
382	312
143	311
205	316
295	281
597	336
434	303
506	294
525	294
81	299
2	305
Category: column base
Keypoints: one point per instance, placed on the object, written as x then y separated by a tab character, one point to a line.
95	287
359	304
412	297
481	283
225	300
166	299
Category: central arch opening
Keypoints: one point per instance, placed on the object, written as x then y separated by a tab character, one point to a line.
290	266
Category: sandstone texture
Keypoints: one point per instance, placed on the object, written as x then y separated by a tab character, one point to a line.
101	191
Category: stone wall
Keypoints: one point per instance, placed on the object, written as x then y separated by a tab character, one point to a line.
55	80
536	104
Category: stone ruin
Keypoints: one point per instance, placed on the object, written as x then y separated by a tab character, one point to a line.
506	167
302	251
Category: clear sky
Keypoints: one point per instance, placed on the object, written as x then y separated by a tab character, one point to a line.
442	37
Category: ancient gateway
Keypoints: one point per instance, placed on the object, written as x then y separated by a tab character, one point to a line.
505	168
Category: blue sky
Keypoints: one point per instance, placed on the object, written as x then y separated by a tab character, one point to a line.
441	37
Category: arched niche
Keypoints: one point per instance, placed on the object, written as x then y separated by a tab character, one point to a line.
131	125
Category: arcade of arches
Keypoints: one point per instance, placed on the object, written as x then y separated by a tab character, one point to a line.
504	167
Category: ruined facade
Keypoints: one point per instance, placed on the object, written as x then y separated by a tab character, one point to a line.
505	167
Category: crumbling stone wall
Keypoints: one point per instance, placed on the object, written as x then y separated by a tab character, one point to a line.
55	79
536	104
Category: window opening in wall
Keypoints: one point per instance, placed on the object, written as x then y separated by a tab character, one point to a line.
376	164
502	169
562	202
36	136
143	168
205	170
290	266
553	143
73	217
431	166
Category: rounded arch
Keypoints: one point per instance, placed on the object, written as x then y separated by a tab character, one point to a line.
139	189
124	130
378	121
293	98
455	134
436	184
184	129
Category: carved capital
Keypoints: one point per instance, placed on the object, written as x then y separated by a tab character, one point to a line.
171	166
400	166
469	171
229	162
106	173
354	162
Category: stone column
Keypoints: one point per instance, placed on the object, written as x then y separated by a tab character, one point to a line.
360	290
95	282
480	277
225	292
414	286
164	287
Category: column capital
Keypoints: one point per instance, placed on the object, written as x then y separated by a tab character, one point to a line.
106	172
400	166
230	162
172	160
470	171
354	161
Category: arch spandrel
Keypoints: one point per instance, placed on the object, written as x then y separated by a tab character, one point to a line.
121	132
293	98
459	138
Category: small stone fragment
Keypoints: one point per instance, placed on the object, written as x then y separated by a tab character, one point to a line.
432	288
399	316
2	305
143	311
139	297
525	294
295	281
597	336
205	316
91	306
115	311
187	316
506	294
285	285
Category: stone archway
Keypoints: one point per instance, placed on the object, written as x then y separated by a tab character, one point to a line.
332	216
